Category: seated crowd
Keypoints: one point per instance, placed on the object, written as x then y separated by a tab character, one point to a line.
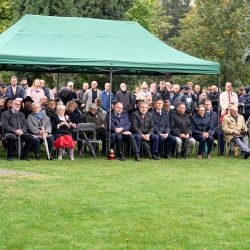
166	120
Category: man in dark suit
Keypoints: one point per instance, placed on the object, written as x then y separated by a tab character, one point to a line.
143	128
162	128
13	91
120	127
218	133
202	131
14	124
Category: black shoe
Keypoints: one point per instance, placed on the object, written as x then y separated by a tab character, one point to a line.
178	156
10	159
183	155
231	153
121	157
155	157
246	155
137	157
37	157
167	156
24	158
222	154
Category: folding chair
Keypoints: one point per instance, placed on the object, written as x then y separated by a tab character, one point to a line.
88	127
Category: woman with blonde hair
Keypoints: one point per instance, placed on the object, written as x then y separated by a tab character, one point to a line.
35	91
61	130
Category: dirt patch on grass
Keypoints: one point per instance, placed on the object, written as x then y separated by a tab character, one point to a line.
7	172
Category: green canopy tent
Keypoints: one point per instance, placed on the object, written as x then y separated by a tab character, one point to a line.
71	44
85	45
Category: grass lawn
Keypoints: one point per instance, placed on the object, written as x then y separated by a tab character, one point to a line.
87	204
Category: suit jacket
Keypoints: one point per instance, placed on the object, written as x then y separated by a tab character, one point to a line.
142	126
162	123
87	98
201	124
213	117
230	126
121	121
19	92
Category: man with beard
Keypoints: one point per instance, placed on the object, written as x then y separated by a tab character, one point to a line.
14	125
125	97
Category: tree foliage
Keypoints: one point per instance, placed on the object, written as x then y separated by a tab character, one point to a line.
6	14
214	29
175	10
150	14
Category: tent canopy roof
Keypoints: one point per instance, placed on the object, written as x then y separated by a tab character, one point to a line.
72	44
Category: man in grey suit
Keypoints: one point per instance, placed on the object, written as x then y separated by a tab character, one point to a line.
91	94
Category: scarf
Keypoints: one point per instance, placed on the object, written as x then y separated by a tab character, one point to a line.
38	115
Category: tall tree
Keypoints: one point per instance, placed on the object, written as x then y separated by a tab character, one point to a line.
44	7
214	30
150	14
103	9
6	14
176	10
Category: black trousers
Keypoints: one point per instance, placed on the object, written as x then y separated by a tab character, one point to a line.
11	145
38	141
118	139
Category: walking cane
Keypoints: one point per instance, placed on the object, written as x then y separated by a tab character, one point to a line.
46	143
19	141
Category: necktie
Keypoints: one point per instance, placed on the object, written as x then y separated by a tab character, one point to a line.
229	97
14	91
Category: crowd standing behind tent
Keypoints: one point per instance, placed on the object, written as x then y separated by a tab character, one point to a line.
163	119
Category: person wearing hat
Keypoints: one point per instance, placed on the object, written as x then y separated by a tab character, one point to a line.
244	104
92	116
3	90
24	86
3	96
27	103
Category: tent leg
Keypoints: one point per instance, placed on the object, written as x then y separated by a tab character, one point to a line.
110	104
218	115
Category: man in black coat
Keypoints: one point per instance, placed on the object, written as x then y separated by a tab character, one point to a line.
14	124
213	117
214	98
125	97
180	124
143	128
120	127
162	128
202	132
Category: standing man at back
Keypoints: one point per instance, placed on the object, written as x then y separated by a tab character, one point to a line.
125	97
91	94
228	96
13	90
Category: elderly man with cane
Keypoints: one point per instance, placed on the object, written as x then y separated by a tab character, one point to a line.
15	126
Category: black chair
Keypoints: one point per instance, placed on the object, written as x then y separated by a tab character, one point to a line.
89	128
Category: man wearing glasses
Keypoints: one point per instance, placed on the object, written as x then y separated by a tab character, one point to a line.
14	125
202	131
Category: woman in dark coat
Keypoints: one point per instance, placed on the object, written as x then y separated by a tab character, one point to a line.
74	116
61	130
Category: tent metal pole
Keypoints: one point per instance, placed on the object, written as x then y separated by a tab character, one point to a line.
58	81
110	104
218	114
